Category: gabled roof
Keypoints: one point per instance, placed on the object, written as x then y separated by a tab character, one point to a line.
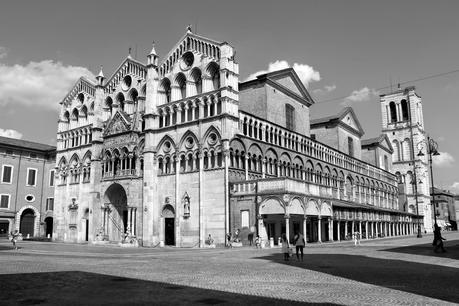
182	46
119	123
276	80
83	84
335	120
380	141
122	70
26	145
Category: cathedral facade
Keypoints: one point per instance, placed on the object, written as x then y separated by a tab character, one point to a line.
169	153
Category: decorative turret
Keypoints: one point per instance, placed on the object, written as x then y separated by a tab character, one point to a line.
100	77
152	58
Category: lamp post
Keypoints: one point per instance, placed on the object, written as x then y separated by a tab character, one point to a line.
415	185
432	149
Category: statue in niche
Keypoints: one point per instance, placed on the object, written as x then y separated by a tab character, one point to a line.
186	205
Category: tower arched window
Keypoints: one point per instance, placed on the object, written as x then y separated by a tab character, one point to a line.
404	110
181	82
393	112
120	99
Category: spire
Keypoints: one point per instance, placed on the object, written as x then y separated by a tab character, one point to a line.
129	55
153	50
188	29
100	77
153	57
101	73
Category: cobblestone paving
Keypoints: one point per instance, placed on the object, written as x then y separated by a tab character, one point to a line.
401	271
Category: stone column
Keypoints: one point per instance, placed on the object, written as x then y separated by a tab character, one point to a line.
319	229
287	227
366	230
360	228
134	222
263	168
330	229
345	229
246	164
305	228
129	210
339	230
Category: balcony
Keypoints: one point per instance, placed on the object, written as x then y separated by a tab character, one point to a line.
121	174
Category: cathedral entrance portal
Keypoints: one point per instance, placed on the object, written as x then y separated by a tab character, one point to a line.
115	212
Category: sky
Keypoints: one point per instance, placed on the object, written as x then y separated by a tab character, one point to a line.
344	51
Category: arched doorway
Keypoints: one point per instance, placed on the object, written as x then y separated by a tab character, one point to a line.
49	226
27	224
116	214
168	214
273	222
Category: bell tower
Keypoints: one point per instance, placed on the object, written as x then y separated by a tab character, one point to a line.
403	123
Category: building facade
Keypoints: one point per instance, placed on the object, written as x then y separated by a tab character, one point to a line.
171	152
403	123
26	187
445	209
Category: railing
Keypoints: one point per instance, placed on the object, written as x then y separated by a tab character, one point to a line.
122	174
287	185
260	129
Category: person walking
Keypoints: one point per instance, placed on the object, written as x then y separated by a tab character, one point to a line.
285	247
438	239
229	239
14	239
251	234
299	242
356	238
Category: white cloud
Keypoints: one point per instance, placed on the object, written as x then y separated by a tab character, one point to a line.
10	133
38	84
361	95
305	72
326	89
3	52
443	160
455	187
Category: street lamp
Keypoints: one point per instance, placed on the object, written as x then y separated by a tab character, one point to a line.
432	149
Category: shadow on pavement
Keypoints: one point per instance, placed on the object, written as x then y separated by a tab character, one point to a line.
83	288
426	280
426	249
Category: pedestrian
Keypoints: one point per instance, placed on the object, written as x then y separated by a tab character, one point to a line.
299	242
228	238
438	239
258	242
14	238
285	247
251	234
356	238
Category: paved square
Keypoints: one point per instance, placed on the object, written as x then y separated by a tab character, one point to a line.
399	271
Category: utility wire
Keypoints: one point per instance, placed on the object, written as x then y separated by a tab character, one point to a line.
401	83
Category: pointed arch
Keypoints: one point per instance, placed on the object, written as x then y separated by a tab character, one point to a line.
189	141
133	94
196	76
166	145
180	81
213	71
164	91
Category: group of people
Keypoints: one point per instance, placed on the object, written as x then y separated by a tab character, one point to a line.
298	241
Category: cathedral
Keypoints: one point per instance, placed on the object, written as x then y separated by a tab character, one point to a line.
170	152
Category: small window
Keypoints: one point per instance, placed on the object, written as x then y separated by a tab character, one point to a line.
29	198
7	174
290	117
350	143
245	218
31	177
51	178
386	163
50	204
4	201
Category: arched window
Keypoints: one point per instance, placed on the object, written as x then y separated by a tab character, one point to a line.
120	100
197	79
404	110
393	112
181	82
165	90
109	104
214	74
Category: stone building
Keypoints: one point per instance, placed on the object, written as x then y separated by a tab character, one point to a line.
26	187
171	152
445	208
403	123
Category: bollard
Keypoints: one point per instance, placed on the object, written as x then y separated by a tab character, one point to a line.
48	236
28	236
271	242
